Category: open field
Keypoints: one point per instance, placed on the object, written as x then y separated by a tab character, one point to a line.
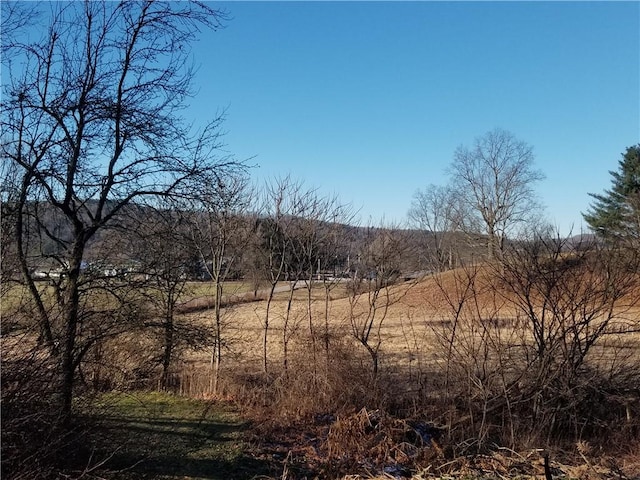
419	316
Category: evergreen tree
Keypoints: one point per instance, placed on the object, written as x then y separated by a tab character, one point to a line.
615	214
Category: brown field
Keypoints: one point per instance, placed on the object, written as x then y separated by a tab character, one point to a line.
412	356
419	313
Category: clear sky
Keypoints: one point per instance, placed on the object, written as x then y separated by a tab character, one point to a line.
369	100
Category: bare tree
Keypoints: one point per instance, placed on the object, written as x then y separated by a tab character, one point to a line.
163	263
221	231
332	265
313	239
436	210
9	261
274	248
534	347
90	119
495	180
287	249
373	275
16	18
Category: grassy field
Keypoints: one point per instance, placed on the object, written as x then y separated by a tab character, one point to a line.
157	435
16	297
201	289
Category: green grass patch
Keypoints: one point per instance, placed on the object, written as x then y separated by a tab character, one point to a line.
158	435
201	289
16	296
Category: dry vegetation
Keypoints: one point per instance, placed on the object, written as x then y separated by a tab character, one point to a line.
354	371
411	329
462	387
478	371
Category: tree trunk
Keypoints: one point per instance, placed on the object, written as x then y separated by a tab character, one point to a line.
168	349
67	358
286	333
374	359
265	330
217	347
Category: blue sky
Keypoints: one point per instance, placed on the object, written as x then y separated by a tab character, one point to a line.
369	100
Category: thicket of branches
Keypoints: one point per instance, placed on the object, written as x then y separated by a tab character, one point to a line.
543	358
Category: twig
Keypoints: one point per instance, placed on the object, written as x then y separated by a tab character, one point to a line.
514	452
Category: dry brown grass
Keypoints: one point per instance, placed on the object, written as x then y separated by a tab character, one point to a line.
413	358
409	332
